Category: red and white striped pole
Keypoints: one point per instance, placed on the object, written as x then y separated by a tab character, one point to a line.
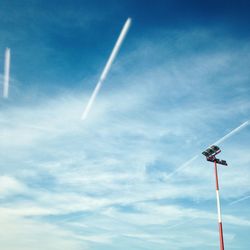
218	207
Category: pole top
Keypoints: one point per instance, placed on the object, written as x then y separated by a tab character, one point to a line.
210	154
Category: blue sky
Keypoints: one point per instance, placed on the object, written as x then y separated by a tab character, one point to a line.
179	83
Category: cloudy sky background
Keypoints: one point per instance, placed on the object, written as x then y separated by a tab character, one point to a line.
179	83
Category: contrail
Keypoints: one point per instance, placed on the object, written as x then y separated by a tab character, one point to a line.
181	223
6	73
187	163
29	126
184	165
239	200
107	67
243	125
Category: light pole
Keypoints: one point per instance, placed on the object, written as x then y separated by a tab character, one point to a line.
210	154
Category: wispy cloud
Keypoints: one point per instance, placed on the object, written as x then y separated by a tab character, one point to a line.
102	181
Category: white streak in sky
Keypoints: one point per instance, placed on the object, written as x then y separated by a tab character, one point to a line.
181	223
243	125
187	163
239	200
9	124
6	73
107	67
184	165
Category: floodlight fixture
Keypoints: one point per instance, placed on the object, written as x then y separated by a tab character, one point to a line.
210	155
215	148
218	161
211	151
205	153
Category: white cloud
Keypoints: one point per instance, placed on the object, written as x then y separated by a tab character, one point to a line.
10	186
23	234
67	170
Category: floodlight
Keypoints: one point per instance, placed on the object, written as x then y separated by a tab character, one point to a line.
205	153
218	161
215	148
223	162
210	151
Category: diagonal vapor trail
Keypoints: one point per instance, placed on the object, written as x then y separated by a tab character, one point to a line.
239	200
187	163
243	125
107	67
6	73
184	165
9	123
